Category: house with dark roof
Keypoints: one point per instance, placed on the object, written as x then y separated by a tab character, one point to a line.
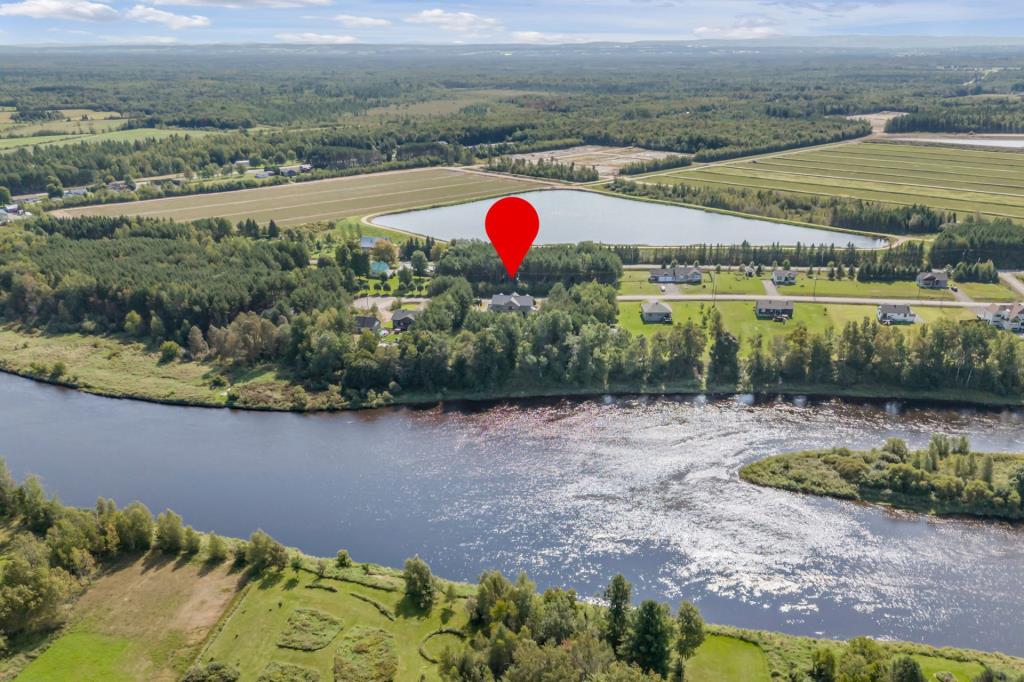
895	313
680	274
401	320
771	308
512	303
367	322
655	312
933	280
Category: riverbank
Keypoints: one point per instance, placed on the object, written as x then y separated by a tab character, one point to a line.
116	367
155	616
934	481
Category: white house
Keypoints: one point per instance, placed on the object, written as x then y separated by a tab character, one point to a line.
1009	316
893	313
680	274
772	308
780	276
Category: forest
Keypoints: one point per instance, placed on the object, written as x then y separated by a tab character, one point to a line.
855	214
428	105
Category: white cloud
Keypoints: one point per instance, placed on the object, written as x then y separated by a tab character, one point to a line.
349	21
141	40
737	32
462	22
79	10
246	4
168	19
542	38
316	38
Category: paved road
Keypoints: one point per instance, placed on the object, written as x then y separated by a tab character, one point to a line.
1011	280
805	299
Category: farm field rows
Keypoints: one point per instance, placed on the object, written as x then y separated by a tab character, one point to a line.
960	180
306	202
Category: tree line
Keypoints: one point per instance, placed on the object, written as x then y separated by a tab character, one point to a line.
979	239
543	168
855	214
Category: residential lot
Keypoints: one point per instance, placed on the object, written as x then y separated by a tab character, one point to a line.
962	180
305	202
607	160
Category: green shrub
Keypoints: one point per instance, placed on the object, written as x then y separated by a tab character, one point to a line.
309	630
367	655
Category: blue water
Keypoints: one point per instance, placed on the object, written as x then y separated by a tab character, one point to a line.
571	216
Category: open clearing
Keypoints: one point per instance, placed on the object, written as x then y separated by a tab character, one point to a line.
305	202
959	180
607	160
143	621
135	134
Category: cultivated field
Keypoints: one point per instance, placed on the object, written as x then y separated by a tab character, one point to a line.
305	202
959	180
9	143
607	160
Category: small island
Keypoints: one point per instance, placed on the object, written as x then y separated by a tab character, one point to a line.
946	478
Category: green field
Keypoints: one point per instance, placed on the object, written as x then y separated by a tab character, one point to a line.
249	639
724	659
305	202
962	180
9	143
738	316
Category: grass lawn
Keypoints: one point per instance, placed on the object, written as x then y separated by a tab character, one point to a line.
727	659
634	283
822	286
962	671
738	317
143	620
250	637
731	282
987	292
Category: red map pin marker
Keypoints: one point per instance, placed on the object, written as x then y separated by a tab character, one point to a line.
512	225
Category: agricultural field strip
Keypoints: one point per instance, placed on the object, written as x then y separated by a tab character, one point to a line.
942	152
861	181
938	166
864	171
888	196
264	203
999	198
874	196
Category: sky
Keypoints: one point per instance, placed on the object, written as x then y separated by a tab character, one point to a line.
342	22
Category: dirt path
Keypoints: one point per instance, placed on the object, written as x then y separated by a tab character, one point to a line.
769	288
1011	280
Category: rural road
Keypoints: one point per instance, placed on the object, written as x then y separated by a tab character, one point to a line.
384	302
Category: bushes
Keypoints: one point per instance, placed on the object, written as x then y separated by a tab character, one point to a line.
419	583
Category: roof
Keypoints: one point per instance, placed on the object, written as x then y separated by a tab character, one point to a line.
370	242
940	274
520	300
404	314
676	271
784	273
655	308
363	321
775	304
894	309
1009	309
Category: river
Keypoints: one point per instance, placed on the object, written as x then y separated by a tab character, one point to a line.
572	491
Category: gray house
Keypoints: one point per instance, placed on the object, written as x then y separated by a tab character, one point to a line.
680	274
364	322
655	312
401	320
512	303
771	308
933	280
